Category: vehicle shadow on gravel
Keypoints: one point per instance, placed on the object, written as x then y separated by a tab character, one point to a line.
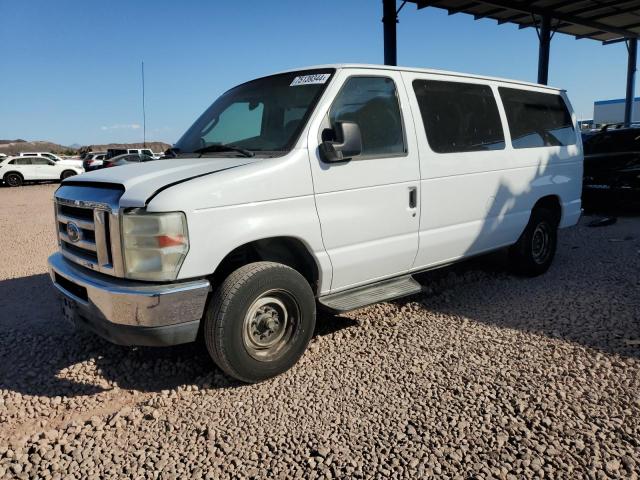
590	310
41	355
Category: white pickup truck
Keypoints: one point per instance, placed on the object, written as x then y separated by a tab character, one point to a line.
327	186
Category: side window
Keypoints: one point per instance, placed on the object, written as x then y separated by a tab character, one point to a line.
600	143
39	161
21	161
459	117
537	119
372	103
629	140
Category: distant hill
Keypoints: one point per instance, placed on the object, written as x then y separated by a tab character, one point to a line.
12	147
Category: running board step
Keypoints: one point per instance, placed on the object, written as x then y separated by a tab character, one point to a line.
369	294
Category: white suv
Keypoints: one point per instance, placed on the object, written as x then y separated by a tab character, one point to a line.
326	186
54	157
14	171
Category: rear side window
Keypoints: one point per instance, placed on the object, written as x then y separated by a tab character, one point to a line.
372	103
459	117
21	161
40	161
537	119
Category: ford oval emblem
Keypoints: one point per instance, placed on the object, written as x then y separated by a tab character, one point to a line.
73	232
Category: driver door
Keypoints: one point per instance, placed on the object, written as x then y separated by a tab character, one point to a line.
368	206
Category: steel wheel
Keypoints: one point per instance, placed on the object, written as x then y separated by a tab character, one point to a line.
540	243
533	253
269	325
259	321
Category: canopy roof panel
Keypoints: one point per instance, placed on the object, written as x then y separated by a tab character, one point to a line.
603	20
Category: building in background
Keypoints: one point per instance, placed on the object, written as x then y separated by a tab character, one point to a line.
612	111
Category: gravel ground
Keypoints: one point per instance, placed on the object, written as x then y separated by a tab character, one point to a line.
483	376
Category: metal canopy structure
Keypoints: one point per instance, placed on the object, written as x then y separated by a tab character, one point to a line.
608	21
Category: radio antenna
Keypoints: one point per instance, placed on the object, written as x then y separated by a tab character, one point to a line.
144	114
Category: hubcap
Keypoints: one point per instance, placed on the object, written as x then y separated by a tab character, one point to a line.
269	324
12	180
541	243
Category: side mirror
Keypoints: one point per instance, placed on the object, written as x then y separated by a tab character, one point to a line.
348	143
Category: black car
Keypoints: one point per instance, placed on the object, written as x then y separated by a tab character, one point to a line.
611	166
125	160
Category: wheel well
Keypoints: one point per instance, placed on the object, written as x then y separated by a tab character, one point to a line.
551	203
73	172
286	250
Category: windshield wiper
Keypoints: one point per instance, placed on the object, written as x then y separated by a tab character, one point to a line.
220	147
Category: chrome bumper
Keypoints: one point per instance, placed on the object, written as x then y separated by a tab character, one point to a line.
129	312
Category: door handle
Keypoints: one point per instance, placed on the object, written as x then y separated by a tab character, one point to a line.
413	197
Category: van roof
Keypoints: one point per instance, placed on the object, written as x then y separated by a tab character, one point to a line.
424	70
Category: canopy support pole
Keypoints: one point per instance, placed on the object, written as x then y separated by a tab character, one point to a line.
544	34
389	20
632	47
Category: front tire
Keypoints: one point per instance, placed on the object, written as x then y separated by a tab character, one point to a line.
533	254
260	321
13	180
67	174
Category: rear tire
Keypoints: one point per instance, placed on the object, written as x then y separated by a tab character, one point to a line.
67	174
260	321
13	179
533	253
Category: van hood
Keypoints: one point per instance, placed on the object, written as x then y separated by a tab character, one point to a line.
141	181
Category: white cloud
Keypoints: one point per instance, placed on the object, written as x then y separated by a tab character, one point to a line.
122	126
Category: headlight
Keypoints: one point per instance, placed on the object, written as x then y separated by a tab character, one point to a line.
154	244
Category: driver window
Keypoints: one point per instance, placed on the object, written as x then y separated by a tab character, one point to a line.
372	103
239	121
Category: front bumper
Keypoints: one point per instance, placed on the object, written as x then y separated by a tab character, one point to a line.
126	312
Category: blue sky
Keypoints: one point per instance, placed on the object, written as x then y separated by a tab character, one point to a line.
70	70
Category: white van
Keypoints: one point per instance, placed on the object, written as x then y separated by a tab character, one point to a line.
325	186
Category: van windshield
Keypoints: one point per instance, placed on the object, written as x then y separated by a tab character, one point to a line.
263	115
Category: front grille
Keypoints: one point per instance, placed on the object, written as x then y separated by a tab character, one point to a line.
85	235
76	212
86	255
88	225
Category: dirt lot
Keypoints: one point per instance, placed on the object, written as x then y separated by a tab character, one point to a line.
484	375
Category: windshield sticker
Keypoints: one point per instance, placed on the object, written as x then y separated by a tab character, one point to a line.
318	78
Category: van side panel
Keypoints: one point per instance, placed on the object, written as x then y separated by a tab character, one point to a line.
473	202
